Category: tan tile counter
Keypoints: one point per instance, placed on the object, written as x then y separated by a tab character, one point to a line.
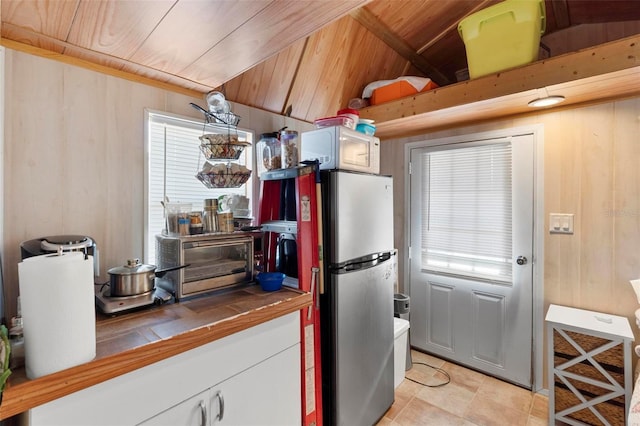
133	340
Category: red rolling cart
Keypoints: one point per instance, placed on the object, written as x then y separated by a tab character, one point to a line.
290	211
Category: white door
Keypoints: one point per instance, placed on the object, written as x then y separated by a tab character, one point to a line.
471	247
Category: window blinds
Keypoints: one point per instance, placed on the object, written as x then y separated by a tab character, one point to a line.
174	159
466	211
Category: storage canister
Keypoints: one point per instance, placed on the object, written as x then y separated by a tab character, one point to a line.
268	150
210	216
503	36
354	114
289	148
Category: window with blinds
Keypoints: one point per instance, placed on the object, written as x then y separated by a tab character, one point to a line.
467	211
173	160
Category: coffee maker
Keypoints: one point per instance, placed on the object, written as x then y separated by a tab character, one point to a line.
62	243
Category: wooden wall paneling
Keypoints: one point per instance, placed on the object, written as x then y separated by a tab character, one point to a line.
287	64
562	192
587	11
266	85
315	56
358	59
410	21
328	95
582	36
596	197
384	33
393	164
26	36
271	30
87	107
253	88
376	61
626	202
95	57
231	88
70	60
33	166
50	18
196	25
116	28
552	200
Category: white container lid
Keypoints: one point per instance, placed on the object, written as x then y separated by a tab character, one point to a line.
399	326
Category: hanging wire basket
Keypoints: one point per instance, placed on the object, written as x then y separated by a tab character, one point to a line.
221	146
223	178
227	118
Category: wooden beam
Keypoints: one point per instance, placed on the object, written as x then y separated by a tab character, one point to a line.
607	71
381	31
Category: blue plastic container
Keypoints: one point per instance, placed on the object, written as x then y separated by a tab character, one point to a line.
366	128
270	281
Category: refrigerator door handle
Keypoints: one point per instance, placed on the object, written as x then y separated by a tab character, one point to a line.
363	262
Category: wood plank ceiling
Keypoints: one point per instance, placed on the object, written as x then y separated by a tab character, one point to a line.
304	58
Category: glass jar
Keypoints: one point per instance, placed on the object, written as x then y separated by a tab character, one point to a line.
289	148
210	216
268	150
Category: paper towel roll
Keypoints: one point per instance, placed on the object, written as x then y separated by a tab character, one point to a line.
58	312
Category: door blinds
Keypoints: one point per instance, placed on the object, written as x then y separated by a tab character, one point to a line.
467	211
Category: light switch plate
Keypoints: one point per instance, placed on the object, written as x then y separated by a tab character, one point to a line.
561	223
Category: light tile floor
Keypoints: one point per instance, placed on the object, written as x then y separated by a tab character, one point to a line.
471	398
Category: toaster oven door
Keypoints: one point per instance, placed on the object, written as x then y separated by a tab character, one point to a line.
216	264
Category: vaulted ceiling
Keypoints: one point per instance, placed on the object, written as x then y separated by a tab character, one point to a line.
303	58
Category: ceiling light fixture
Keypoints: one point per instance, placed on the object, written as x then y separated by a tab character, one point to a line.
546	101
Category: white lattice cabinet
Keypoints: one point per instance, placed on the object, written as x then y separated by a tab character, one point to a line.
589	366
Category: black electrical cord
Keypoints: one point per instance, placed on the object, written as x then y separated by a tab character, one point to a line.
439	370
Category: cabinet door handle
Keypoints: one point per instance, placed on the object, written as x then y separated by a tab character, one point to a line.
203	414
220	399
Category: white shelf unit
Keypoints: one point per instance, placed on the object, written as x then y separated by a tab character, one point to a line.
589	366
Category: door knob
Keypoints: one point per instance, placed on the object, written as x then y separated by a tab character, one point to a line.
521	260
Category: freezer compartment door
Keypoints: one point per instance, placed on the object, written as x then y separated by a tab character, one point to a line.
360	210
363	341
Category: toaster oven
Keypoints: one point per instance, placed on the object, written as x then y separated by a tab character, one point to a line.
215	261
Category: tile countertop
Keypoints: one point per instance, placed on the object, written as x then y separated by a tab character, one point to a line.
133	340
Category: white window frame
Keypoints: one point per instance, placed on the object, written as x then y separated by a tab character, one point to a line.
152	117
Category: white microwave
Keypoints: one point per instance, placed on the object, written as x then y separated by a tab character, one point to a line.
338	147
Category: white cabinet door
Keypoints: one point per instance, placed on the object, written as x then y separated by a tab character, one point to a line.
144	393
192	412
266	394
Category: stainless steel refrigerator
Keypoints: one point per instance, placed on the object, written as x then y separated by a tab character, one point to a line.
357	304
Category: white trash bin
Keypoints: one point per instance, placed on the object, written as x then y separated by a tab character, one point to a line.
400	333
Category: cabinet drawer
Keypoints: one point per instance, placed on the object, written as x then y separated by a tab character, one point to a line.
143	393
